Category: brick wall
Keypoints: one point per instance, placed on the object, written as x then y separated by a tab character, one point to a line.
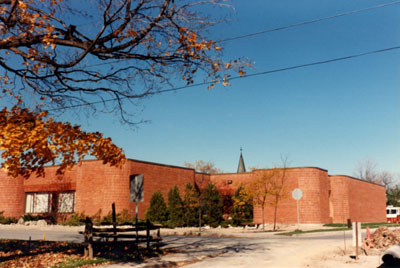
11	195
100	185
366	201
325	198
339	199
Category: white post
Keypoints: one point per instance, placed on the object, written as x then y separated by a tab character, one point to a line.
298	216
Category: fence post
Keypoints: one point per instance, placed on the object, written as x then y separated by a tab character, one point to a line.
158	239
88	238
148	234
137	236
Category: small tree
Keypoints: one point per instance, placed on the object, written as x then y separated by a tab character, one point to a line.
211	205
191	205
175	207
203	167
242	206
157	211
278	190
260	188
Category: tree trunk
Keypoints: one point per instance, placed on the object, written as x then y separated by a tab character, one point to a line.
262	207
275	212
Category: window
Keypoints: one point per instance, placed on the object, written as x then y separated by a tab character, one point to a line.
66	202
42	202
393	211
37	202
136	188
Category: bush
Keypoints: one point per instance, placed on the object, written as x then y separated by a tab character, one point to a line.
175	208
6	220
75	219
211	206
226	223
121	218
157	211
242	211
191	206
30	217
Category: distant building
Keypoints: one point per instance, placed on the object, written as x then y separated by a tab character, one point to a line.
91	187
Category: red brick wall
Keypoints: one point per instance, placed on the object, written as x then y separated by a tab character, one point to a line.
339	199
314	205
367	201
11	195
325	198
100	185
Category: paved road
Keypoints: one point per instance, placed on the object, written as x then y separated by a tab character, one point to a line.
261	250
74	236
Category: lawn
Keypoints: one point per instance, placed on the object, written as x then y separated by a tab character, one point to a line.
340	227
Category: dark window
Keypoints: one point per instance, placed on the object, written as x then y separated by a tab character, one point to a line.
136	188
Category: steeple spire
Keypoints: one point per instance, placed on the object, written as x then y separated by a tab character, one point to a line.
241	167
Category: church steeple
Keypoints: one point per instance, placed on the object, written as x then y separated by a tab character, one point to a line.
241	167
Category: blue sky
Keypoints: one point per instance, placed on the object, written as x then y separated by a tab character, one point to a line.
330	116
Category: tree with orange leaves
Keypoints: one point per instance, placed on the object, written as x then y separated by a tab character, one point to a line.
55	54
30	140
268	188
111	52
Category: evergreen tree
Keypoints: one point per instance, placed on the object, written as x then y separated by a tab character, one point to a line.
175	208
211	205
157	211
393	196
242	210
191	206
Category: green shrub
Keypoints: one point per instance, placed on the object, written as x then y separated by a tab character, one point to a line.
175	208
157	211
6	220
211	206
75	219
30	217
191	206
226	223
121	218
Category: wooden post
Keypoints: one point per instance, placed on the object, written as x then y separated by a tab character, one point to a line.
114	219
158	239
137	236
356	240
148	234
88	238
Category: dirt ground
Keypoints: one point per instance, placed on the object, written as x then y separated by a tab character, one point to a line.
297	253
301	254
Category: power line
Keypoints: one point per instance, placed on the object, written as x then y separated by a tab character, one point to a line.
309	22
248	75
286	27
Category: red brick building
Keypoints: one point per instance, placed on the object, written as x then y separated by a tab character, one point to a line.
92	187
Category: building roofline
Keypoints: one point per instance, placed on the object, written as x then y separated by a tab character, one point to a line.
249	172
128	159
357	179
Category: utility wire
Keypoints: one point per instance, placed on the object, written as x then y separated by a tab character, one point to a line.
309	22
247	75
286	27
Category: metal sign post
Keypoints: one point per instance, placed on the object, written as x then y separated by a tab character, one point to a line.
297	194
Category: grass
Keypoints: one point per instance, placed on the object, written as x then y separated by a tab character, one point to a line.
364	224
339	227
72	263
297	231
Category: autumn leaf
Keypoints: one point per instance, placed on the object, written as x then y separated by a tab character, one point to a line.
30	140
